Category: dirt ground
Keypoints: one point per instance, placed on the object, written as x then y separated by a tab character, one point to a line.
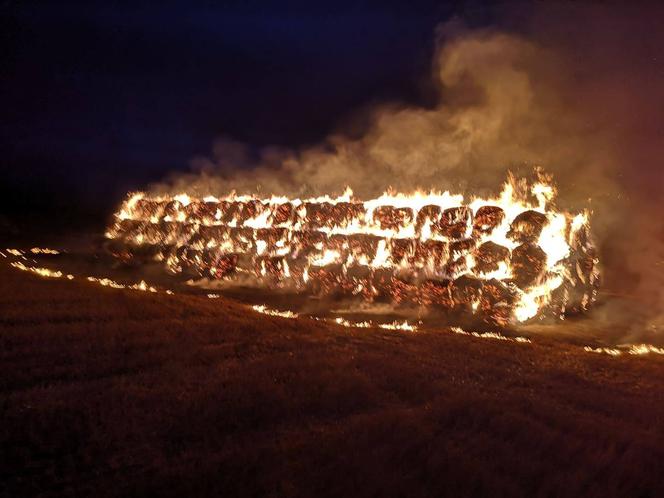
111	392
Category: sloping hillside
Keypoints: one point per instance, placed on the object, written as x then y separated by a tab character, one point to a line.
115	393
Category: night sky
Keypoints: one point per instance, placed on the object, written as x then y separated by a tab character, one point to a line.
100	97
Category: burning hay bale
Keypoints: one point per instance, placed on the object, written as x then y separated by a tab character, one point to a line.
454	222
487	218
436	293
326	280
282	213
429	214
432	251
401	250
528	264
391	218
466	291
461	247
328	214
527	226
489	256
224	265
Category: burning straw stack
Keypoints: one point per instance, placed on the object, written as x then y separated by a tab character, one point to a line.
481	261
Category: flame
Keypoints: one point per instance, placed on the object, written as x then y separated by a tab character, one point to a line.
639	349
269	230
537	292
328	257
43	250
42	272
107	282
633	349
398	326
490	335
535	298
48	273
347	323
261	308
368	324
128	207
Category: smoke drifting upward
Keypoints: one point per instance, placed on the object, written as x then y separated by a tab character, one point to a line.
574	100
498	108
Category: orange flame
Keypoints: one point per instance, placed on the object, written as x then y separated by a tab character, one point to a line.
173	222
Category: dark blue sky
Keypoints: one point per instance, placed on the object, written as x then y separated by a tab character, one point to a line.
101	97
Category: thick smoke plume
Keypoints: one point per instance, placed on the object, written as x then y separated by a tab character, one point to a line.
497	110
574	100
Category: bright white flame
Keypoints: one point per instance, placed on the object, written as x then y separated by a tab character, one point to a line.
107	282
645	349
490	335
398	326
43	250
346	323
42	272
534	298
633	349
261	308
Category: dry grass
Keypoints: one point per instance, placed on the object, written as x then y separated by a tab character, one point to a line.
119	393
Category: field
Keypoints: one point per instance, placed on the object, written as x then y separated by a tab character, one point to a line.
110	392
